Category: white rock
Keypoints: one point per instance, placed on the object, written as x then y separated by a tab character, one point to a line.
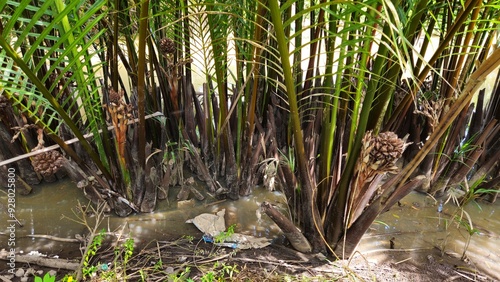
20	272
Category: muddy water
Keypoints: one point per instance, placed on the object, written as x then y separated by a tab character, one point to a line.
413	227
416	227
50	211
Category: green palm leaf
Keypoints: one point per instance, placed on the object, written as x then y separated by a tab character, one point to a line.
43	45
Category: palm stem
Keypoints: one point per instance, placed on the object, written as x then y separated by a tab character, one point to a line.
309	209
141	87
358	128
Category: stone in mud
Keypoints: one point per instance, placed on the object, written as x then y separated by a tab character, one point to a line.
20	272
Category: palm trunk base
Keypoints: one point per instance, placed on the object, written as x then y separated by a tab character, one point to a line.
292	233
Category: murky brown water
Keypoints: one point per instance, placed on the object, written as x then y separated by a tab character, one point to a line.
413	227
416	227
48	211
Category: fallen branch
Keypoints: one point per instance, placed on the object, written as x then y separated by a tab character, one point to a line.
44	261
54	238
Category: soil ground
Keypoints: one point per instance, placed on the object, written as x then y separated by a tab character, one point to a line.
182	259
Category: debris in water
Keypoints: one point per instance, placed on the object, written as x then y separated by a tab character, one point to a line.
213	224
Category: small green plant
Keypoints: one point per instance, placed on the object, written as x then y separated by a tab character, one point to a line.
474	191
188	238
220	272
128	250
470	230
68	278
158	265
96	243
224	235
289	158
228	270
208	277
123	252
46	278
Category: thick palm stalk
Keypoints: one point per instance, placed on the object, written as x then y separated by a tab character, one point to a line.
358	127
217	23
336	113
141	87
256	52
313	227
252	94
329	123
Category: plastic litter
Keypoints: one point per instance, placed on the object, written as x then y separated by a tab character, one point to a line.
213	224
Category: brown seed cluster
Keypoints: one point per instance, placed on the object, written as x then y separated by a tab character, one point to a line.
119	110
381	152
48	163
115	97
167	46
120	113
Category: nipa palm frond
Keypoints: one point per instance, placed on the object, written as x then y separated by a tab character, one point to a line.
47	58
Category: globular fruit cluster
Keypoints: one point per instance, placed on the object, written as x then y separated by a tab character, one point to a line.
48	163
381	152
167	46
388	148
115	97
